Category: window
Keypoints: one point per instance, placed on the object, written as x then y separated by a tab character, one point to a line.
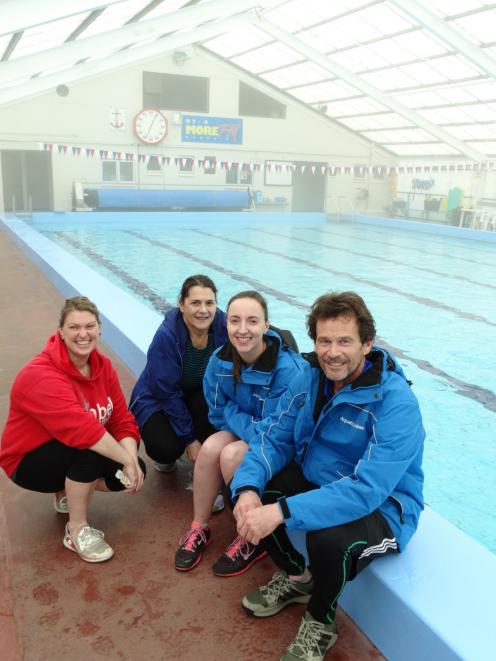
245	175
153	164
173	92
253	103
210	165
117	171
232	174
186	164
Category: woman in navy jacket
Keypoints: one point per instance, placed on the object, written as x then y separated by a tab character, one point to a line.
243	383
167	400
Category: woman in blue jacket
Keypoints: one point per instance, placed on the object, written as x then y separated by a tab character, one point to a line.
167	400
243	383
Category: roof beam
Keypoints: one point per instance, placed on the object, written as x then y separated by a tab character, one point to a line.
443	31
16	16
369	90
120	60
132	33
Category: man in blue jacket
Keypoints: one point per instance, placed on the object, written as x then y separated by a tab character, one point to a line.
339	459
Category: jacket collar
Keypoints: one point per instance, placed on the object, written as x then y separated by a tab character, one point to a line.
266	362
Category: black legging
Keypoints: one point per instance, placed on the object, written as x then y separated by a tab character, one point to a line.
162	443
336	554
45	468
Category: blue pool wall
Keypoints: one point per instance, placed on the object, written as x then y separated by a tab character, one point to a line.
435	601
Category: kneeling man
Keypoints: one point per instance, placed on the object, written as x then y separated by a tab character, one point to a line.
339	459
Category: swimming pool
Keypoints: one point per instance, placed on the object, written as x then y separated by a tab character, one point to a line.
433	298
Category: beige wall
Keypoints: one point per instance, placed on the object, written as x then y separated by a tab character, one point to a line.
82	118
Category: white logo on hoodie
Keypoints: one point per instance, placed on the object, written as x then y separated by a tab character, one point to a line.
103	413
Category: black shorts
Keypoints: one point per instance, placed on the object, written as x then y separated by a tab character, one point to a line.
45	468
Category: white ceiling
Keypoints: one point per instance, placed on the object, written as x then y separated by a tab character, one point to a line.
416	77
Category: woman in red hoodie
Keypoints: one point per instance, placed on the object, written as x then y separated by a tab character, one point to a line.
68	431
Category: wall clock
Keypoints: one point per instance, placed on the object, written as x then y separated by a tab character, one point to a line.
150	126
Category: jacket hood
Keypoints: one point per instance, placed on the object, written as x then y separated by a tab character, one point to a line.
56	352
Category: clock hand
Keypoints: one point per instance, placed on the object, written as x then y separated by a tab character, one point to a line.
151	125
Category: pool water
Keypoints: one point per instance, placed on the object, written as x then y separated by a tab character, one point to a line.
433	298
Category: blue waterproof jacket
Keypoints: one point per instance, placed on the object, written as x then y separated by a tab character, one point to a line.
159	385
237	407
362	448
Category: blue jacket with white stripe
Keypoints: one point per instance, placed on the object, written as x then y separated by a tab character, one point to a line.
362	449
238	406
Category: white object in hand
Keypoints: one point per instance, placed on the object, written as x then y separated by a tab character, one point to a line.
123	479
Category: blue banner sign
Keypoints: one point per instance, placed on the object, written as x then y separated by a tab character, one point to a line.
197	128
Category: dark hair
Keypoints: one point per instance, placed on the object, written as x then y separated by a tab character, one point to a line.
196	281
346	304
254	295
79	303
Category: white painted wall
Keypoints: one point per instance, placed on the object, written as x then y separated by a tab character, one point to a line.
82	118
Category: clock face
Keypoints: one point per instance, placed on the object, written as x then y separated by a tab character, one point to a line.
150	126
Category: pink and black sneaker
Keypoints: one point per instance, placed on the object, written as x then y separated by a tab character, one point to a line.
192	543
239	556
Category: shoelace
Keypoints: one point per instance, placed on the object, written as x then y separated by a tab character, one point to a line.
239	547
88	536
192	538
310	636
277	586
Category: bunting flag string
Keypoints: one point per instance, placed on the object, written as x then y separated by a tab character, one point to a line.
331	169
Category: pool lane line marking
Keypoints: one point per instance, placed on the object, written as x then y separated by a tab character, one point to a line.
422	300
481	395
137	286
375	257
256	284
402	247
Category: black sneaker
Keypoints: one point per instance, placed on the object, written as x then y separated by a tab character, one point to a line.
239	556
192	543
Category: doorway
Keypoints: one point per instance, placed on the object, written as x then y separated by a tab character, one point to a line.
27	180
309	186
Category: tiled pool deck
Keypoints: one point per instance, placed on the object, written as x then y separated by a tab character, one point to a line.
53	606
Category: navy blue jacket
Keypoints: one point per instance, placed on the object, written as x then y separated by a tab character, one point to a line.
159	385
362	448
237	407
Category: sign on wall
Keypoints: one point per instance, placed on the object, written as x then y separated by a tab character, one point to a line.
198	128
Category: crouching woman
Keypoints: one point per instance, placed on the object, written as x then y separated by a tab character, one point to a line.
68	431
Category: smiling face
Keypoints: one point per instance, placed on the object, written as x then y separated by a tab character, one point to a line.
80	332
246	326
198	309
339	349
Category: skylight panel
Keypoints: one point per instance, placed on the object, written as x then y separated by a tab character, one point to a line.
385	53
454	7
358	27
485	147
423	98
165	7
479	27
47	35
474	131
447	115
295	15
298	74
482	112
267	57
371	122
457	94
323	91
325	38
238	41
114	16
400	135
357	106
420	44
385	19
484	91
423	73
390	79
454	68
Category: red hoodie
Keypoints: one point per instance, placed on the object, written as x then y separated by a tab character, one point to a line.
51	399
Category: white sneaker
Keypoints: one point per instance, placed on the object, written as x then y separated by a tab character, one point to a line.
60	502
218	505
88	544
165	468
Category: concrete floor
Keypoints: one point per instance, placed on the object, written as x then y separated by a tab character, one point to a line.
54	606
